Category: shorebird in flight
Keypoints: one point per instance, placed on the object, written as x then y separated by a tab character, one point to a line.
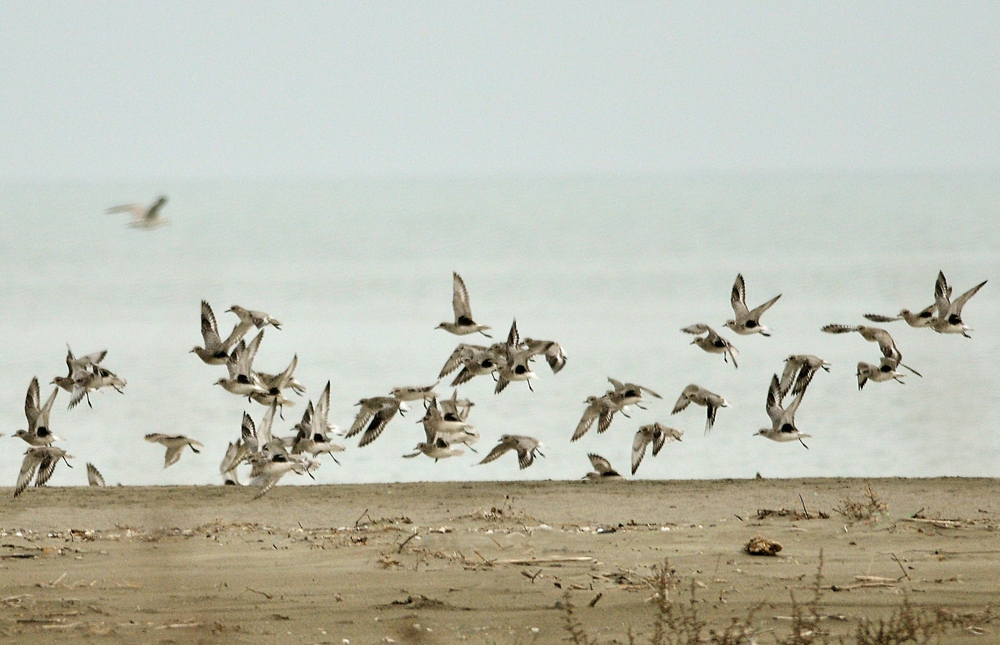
700	396
464	323
598	407
799	372
375	413
949	313
174	445
712	342
526	448
94	477
38	433
893	357
143	216
747	321
42	459
602	469
78	368
257	319
655	433
216	351
436	449
782	419
922	318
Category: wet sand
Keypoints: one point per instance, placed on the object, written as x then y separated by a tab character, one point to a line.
483	562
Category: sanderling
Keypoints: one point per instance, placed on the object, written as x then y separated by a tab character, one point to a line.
77	368
782	419
626	394
920	318
602	469
94	477
464	323
712	342
655	433
874	335
949	313
314	431
884	371
416	392
258	319
553	352
273	384
798	373
216	351
143	216
699	395
747	320
475	360
92	379
43	459
453	430
174	445
38	433
439	448
598	407
526	448
374	415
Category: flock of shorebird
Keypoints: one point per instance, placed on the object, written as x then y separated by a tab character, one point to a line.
445	421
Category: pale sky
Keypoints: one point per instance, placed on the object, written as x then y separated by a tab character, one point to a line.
233	89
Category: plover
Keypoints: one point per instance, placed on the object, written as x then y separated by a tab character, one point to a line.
452	430
243	381
655	433
42	459
515	365
268	467
464	323
38	433
216	351
526	448
273	384
475	360
143	216
174	445
798	373
949	313
602	469
782	419
700	396
712	342
94	477
747	321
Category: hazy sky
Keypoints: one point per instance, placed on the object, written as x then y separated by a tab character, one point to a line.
329	89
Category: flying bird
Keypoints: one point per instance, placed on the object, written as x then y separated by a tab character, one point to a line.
464	323
747	321
143	216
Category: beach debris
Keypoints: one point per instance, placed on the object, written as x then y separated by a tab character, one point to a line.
759	545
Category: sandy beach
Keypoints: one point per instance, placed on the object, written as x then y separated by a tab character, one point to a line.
488	562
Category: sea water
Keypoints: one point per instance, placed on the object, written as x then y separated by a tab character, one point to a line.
359	272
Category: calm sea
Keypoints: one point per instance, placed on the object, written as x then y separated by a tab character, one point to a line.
360	274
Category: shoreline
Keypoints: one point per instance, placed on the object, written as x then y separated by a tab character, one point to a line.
485	562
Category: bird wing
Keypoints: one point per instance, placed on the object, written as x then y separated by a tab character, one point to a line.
209	327
245	361
587	420
683	401
501	448
639	443
32	404
94	477
756	312
942	295
696	329
29	465
264	436
460	300
378	423
738	298
881	319
956	306
773	405
599	463
838	329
